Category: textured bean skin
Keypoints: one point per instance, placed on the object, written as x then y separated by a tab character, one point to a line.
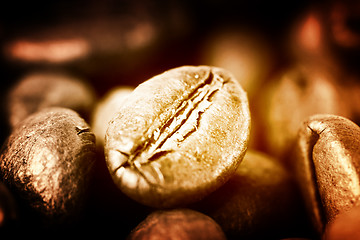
179	136
328	166
47	160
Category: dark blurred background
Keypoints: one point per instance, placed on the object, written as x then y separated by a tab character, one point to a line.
179	31
181	25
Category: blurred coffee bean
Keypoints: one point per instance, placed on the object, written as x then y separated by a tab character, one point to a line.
115	36
260	201
244	53
47	160
174	224
106	109
312	44
72	41
39	90
298	93
54	51
308	42
328	35
327	167
344	18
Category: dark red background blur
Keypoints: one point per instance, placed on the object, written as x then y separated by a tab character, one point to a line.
22	18
181	29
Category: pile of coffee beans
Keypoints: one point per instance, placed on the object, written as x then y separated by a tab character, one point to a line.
181	120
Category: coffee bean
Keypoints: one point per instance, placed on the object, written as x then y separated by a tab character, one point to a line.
300	92
179	136
39	90
47	161
260	190
327	166
177	224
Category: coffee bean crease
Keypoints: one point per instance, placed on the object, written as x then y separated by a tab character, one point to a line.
183	121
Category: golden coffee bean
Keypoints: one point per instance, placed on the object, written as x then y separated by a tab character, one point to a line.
179	136
174	224
47	161
327	166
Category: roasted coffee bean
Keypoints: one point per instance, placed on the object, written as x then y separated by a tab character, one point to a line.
179	136
105	110
39	90
300	92
177	224
47	161
327	166
260	190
